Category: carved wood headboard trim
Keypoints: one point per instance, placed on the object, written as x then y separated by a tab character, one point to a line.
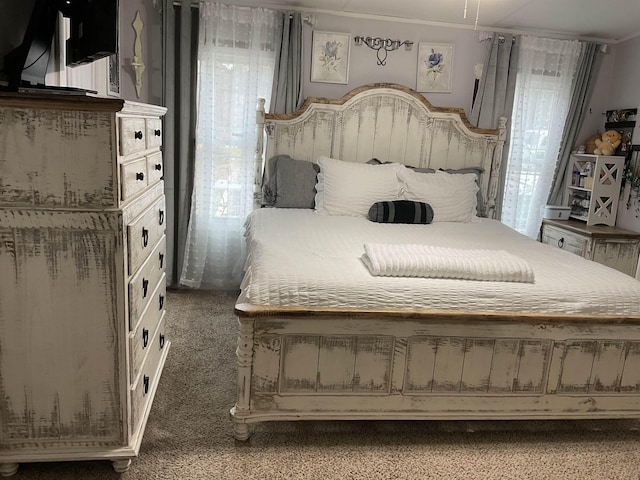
390	122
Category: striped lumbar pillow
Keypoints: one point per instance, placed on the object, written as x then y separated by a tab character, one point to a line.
401	211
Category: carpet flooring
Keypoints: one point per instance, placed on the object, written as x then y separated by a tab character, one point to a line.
189	434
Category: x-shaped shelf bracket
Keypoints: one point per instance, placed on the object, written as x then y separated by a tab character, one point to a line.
609	174
603	207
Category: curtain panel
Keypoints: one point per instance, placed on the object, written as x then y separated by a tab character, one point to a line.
546	72
180	29
495	92
586	77
236	59
286	94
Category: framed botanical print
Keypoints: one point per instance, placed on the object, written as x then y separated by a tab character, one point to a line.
435	67
330	57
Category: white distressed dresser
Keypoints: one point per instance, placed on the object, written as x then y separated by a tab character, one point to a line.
611	246
82	282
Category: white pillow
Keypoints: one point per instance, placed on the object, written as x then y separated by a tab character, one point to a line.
453	197
346	188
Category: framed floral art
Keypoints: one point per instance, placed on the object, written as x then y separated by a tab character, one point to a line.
435	67
330	57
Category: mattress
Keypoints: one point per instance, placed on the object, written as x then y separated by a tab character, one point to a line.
297	257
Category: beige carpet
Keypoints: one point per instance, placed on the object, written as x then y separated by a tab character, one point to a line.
189	434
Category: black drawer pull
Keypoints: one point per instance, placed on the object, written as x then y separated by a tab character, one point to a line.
161	258
145	237
161	301
160	217
145	384
561	243
145	337
157	132
161	341
139	176
138	135
158	166
145	287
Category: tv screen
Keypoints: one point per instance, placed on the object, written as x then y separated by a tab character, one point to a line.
93	35
27	63
94	31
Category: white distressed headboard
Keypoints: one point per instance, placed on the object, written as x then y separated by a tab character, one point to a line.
389	122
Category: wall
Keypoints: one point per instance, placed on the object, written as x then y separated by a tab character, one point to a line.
401	65
625	93
151	15
14	17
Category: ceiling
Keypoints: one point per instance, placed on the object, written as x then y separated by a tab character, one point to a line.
610	21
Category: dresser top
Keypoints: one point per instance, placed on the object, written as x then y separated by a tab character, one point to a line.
87	103
60	102
595	231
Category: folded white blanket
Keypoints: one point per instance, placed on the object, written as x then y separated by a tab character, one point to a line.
405	260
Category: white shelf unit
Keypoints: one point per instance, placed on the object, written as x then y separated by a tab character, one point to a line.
593	198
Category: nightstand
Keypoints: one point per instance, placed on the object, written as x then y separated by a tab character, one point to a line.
611	246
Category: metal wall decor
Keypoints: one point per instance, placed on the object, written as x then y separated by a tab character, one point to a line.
382	46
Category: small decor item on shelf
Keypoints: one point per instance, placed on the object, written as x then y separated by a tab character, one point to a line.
590	143
557	212
621	115
608	144
588	177
632	177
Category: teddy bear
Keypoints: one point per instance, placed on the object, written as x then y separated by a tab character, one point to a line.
610	141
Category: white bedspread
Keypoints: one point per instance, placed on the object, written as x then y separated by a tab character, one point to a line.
297	257
429	261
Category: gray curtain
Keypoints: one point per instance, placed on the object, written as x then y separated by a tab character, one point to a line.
498	82
286	95
585	80
494	98
180	55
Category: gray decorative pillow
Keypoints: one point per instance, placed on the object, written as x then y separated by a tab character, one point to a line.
289	183
375	161
401	211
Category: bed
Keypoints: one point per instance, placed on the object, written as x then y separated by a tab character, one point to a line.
322	337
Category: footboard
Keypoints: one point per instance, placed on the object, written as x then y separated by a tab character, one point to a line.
330	364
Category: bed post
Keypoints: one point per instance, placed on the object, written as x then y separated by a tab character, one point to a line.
244	352
257	184
494	178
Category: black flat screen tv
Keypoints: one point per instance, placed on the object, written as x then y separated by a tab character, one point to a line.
93	35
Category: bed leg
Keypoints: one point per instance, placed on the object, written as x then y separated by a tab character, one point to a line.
244	352
8	469
241	431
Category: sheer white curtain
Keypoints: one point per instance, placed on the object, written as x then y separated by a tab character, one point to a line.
546	71
236	62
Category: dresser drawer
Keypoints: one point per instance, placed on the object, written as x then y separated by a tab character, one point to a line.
140	339
154	132
145	281
132	135
134	177
563	239
145	384
155	169
144	232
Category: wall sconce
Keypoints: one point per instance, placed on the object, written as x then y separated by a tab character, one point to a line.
382	46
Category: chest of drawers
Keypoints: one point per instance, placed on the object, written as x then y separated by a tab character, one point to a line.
614	247
82	256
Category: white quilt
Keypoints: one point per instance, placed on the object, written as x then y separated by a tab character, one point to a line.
429	261
297	257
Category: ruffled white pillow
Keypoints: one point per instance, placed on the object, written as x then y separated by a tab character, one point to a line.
346	188
453	197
